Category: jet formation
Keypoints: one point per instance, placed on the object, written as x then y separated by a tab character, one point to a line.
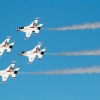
31	54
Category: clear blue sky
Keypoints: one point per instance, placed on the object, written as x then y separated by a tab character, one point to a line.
54	13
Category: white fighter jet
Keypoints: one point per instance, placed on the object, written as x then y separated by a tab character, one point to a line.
33	27
33	53
5	46
9	71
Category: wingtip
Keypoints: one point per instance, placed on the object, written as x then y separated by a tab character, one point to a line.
13	78
39	58
8	52
13	41
9	37
19	67
29	63
36	34
14	62
26	38
40	43
37	18
2	82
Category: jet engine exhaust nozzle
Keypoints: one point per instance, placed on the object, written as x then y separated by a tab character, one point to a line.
15	72
42	53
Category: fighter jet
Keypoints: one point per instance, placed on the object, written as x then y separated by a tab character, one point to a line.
33	53
5	46
33	27
9	71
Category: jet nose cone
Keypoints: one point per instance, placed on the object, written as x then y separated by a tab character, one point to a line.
19	53
17	29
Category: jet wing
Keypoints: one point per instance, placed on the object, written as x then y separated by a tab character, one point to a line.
34	22
6	41
28	34
37	47
4	77
1	51
31	58
11	66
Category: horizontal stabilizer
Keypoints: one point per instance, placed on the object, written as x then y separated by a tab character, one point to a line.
12	43
40	25
37	31
43	49
13	76
40	56
17	68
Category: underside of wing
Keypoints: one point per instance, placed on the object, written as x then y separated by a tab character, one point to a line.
4	77
31	58
28	34
1	51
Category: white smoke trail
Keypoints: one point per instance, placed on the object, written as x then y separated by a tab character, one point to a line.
81	53
91	70
78	27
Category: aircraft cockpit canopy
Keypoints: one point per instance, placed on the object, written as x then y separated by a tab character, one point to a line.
21	27
23	52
